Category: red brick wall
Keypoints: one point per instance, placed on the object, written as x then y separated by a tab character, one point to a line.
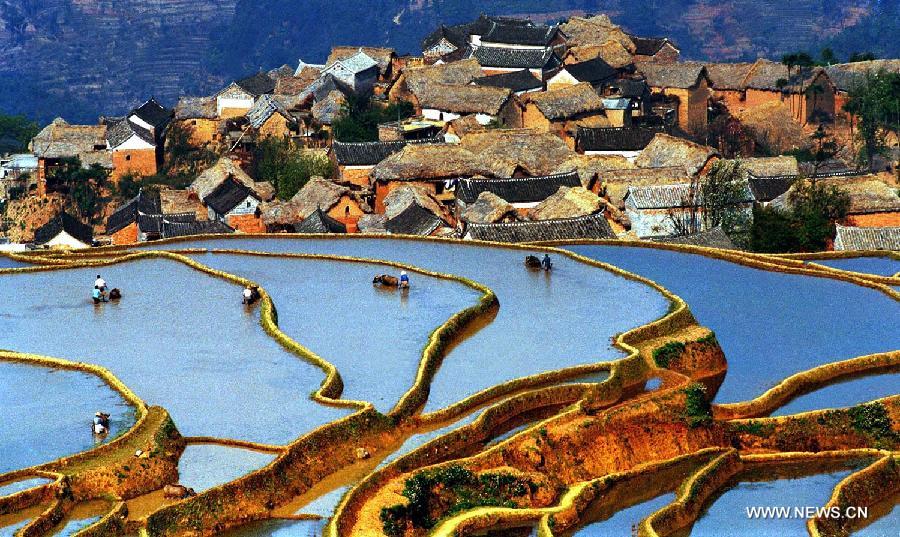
136	161
246	223
355	176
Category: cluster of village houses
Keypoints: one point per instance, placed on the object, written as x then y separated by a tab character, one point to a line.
522	132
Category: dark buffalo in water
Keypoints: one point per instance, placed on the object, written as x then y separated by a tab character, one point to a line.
532	262
385	281
178	492
115	294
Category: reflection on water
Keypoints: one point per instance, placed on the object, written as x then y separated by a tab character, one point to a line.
24	484
730	510
178	338
279	528
544	322
621	522
770	325
81	516
46	413
11	523
367	332
203	466
881	266
844	394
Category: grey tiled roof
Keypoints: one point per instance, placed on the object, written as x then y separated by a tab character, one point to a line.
516	81
153	113
258	84
520	34
319	222
121	130
146	202
414	220
371	153
172	229
516	189
592	226
867	238
510	58
228	195
615	138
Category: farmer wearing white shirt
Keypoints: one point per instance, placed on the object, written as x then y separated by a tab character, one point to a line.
100	283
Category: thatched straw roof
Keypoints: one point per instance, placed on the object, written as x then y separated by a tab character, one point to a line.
728	76
294	85
219	172
568	202
771	166
317	193
598	30
489	208
463	99
590	166
326	110
870	195
672	75
429	162
405	195
418	79
612	52
845	75
60	139
567	102
504	150
773	126
665	150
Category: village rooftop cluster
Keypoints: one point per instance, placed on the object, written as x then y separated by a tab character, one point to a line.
520	131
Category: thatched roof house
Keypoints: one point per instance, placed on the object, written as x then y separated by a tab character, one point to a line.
221	171
195	108
567	202
467	99
614	183
430	162
405	195
665	151
509	152
682	75
60	139
489	208
567	102
591	168
316	194
597	30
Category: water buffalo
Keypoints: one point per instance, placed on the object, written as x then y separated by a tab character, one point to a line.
178	492
385	281
115	294
532	262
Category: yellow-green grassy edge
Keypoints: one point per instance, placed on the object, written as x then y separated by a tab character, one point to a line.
575	500
807	381
436	450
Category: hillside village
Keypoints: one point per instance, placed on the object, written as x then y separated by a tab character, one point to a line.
502	129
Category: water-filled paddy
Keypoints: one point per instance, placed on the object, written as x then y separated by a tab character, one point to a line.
81	516
11	523
203	466
6	262
621	522
844	394
179	338
367	332
545	321
730	509
881	266
770	325
24	484
46	413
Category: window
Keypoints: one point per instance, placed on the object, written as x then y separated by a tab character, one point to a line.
194	122
127	157
248	203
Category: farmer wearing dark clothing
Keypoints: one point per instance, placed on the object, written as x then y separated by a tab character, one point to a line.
404	280
546	264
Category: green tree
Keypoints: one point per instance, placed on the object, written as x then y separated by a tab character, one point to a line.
861	57
723	197
15	133
286	167
84	185
806	226
875	101
828	57
359	118
128	186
